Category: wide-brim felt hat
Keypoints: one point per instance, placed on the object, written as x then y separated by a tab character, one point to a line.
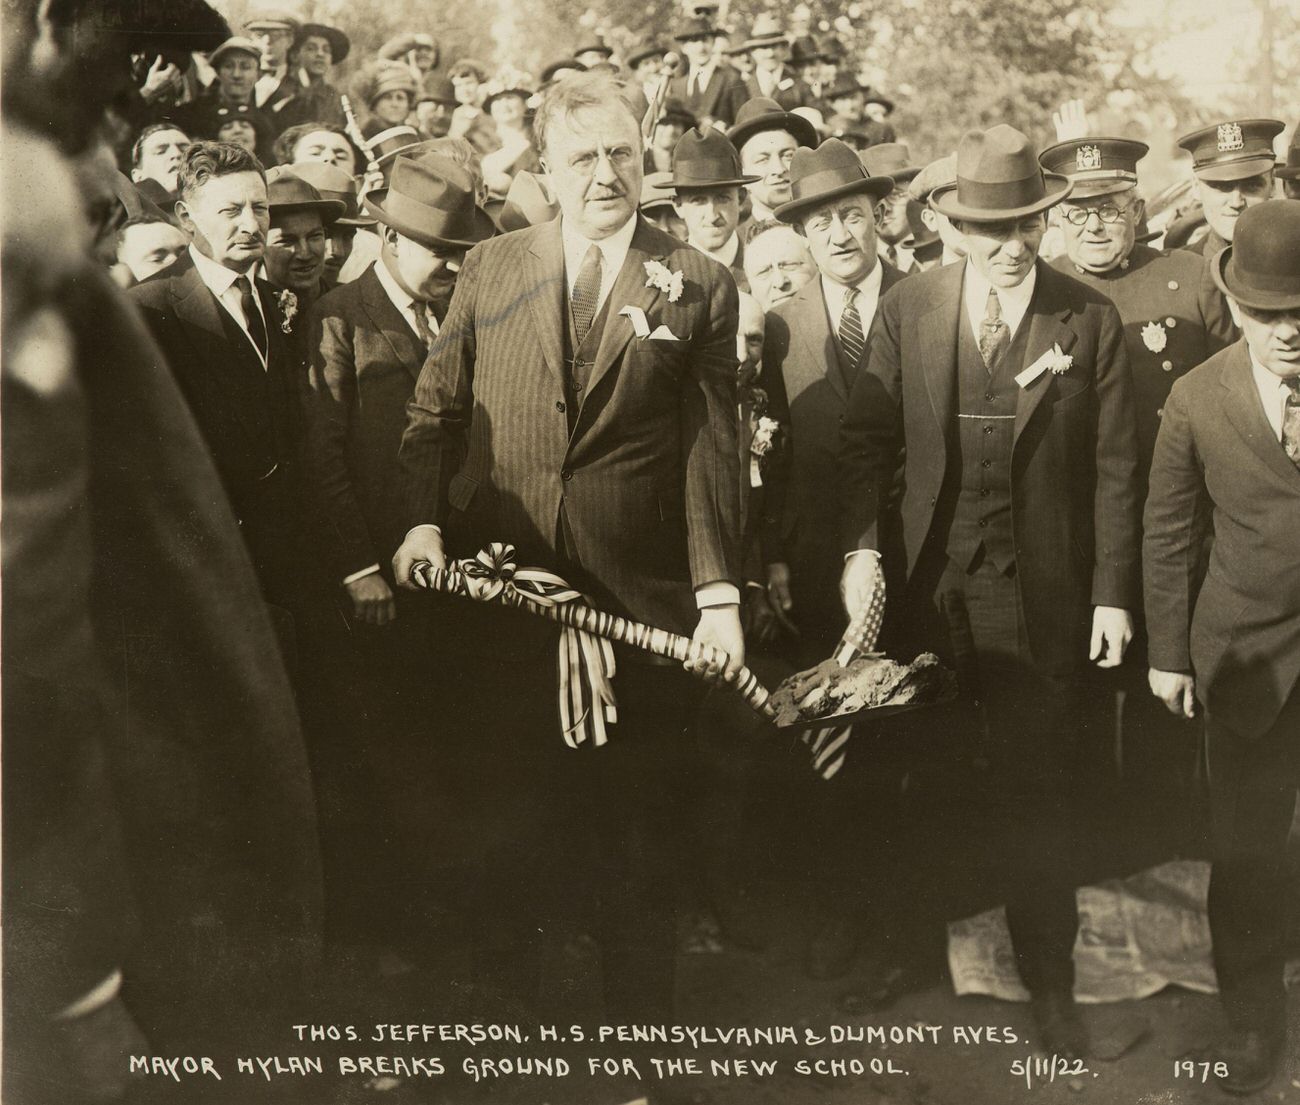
805	50
645	50
1260	268
766	31
1233	150
333	184
760	114
430	199
698	27
705	159
998	178
288	193
830	171
528	203
340	44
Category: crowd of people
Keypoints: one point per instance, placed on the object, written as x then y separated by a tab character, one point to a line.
688	335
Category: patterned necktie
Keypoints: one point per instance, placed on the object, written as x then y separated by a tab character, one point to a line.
851	336
994	335
420	311
586	291
1291	420
252	316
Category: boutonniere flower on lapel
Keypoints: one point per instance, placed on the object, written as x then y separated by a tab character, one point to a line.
1054	361
288	304
1059	363
764	437
1154	337
659	276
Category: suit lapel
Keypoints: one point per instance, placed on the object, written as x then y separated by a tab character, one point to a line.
937	332
544	265
1046	318
388	320
629	290
1246	413
822	349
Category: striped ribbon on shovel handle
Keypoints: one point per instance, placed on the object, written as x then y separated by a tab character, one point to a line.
452	581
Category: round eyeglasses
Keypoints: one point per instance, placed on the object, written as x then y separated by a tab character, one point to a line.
1106	212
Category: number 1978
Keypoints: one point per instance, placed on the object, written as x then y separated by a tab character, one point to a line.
1188	1068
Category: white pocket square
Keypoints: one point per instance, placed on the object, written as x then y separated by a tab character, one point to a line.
662	333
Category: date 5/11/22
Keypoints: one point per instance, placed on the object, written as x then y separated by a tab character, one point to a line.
1199	1072
1048	1068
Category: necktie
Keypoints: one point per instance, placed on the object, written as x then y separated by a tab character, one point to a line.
420	311
252	316
586	290
1291	420
994	335
851	336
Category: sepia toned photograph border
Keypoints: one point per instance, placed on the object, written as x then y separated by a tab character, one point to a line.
591	552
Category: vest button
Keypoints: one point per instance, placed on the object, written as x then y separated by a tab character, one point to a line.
988	398
566	474
983	523
986	464
988	429
984	492
559	405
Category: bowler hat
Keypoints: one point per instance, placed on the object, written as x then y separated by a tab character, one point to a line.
236	44
431	200
595	45
288	193
528	203
1291	170
1260	269
340	44
1096	166
705	159
1232	150
890	159
805	50
766	31
826	173
846	84
871	96
998	177
333	184
399	46
699	26
548	74
760	114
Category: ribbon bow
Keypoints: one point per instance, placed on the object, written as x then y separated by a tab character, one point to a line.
586	662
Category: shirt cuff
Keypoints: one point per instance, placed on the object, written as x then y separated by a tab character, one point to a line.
718	593
859	552
361	574
100	996
425	525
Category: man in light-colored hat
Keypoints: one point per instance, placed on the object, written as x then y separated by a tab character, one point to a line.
334	184
231	95
767	137
706	188
1232	169
416	50
938	174
1227	471
711	90
813	353
768	46
1006	382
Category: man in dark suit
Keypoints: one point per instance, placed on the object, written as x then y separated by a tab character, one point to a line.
580	403
989	450
706	195
226	340
767	136
767	47
710	89
814	350
1227	462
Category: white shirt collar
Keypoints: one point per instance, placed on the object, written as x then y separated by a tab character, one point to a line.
1013	302
613	252
727	253
403	300
1273	393
868	289
215	275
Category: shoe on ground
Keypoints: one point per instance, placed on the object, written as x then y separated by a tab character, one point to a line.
1252	1058
1061	1031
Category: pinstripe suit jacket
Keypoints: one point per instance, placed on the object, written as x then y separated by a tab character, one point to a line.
648	479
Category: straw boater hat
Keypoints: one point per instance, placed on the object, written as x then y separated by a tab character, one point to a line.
998	178
705	159
1233	150
340	44
1096	166
1260	269
826	173
431	201
760	114
288	194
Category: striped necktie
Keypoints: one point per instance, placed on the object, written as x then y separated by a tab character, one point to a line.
586	291
1291	420
851	336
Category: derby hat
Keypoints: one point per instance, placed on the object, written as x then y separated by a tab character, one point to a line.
827	173
765	31
705	159
890	159
1260	269
644	51
399	46
595	45
236	44
430	199
1097	166
871	96
340	44
998	178
288	193
548	74
699	26
1291	170
528	203
760	114
333	184
846	84
805	50
940	173
1233	150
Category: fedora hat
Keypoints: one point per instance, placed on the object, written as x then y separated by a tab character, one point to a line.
1233	150
1291	169
760	114
826	173
1260	269
890	159
698	26
805	50
431	200
288	193
675	111
340	44
333	184
642	52
998	177
846	84
765	31
705	159
528	203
